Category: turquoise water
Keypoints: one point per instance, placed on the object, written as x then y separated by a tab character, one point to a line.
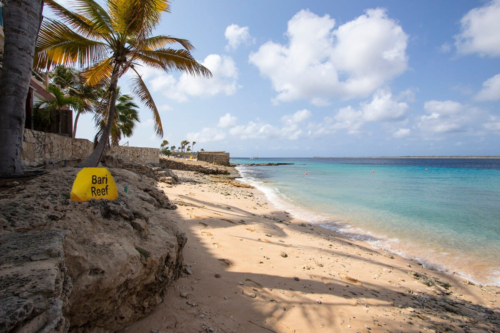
447	217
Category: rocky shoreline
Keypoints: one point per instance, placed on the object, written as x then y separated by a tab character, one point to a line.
212	256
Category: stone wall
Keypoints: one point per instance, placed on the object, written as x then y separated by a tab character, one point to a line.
136	154
217	157
40	148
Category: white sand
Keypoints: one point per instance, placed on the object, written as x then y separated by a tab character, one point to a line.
241	281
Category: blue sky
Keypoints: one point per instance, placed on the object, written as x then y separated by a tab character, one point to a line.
331	78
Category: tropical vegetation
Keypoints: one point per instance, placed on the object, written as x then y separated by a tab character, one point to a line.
109	42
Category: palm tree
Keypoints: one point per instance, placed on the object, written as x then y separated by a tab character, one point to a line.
124	121
21	20
45	110
188	149
71	82
108	44
173	148
194	142
164	143
184	143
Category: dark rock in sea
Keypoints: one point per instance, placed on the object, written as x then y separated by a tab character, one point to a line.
267	164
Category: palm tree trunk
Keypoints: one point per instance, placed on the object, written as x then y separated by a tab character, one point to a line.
21	23
95	157
76	123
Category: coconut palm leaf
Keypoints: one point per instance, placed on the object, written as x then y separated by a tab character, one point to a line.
177	59
99	73
91	10
78	22
157	42
58	44
141	91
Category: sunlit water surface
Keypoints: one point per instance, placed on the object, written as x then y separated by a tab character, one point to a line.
443	212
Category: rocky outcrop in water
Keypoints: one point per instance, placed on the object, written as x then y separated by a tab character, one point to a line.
90	267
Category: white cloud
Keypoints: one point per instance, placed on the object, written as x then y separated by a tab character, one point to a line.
254	130
165	107
443	107
236	36
207	135
291	129
491	90
349	119
227	121
223	81
480	31
493	124
384	108
402	132
446	117
445	48
320	62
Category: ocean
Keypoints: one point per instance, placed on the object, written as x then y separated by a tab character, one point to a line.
444	213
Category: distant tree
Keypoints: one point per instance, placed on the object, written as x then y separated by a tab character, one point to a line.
164	143
194	142
202	149
172	148
184	143
165	151
188	149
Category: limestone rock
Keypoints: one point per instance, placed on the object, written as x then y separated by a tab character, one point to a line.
119	255
34	286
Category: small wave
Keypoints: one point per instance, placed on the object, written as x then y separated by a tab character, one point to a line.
392	245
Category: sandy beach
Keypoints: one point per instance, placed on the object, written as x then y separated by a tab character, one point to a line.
252	268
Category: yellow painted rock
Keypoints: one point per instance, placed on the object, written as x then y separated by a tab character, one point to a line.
94	183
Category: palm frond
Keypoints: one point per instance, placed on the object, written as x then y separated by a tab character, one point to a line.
58	44
78	22
156	42
177	59
99	73
141	90
94	13
137	17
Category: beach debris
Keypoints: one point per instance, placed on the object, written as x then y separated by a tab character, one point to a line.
226	262
217	245
303	225
349	279
188	271
183	294
284	255
319	302
388	255
296	279
268	235
206	233
217	275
